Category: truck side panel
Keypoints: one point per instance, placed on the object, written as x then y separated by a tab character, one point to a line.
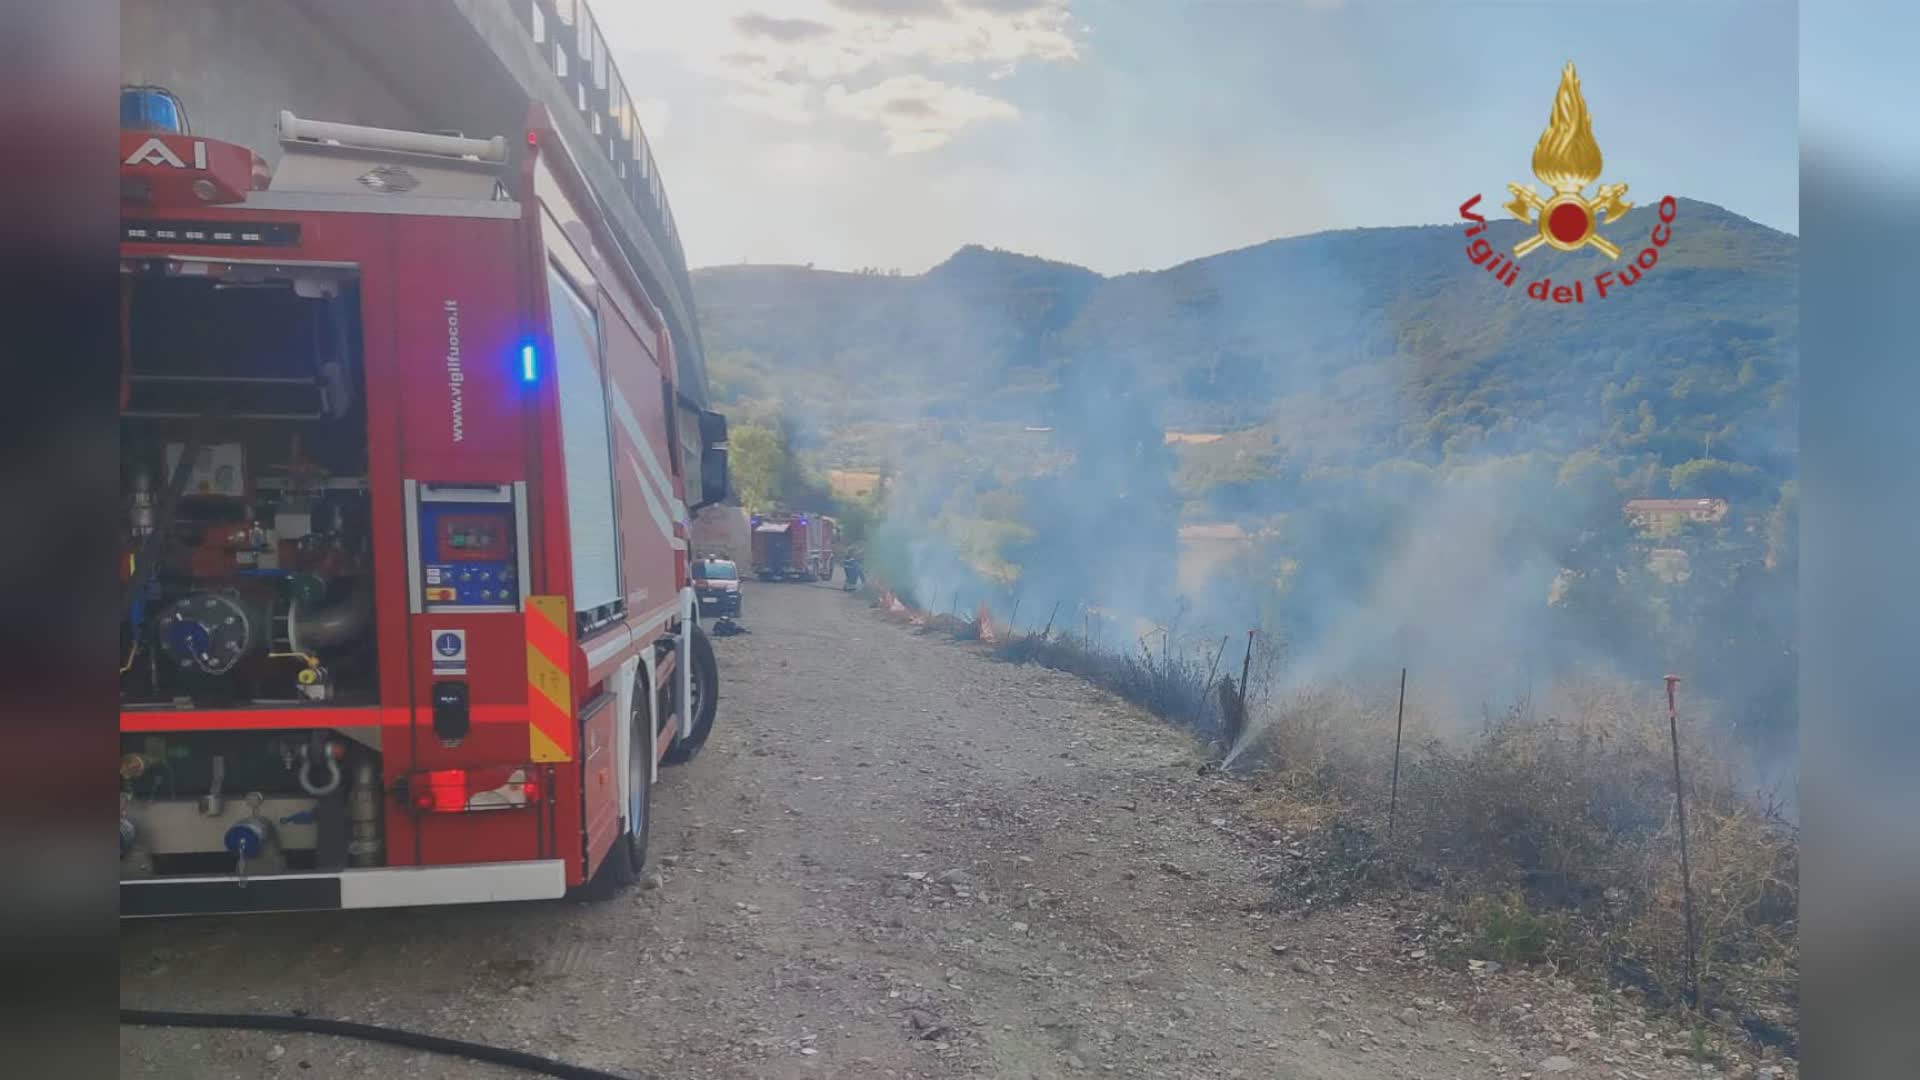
647	501
643	456
453	361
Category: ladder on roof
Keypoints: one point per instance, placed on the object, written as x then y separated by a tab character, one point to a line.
349	159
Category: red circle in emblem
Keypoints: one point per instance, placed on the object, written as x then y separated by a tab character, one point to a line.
1568	223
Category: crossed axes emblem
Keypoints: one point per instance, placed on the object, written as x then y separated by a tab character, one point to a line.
1567	221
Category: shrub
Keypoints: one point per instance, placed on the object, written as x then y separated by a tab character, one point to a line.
1174	688
1502	927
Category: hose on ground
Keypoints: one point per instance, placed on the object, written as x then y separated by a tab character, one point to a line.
372	1032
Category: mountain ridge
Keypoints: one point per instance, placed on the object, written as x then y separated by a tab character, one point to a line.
1496	214
1353	345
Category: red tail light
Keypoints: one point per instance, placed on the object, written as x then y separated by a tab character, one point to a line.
451	791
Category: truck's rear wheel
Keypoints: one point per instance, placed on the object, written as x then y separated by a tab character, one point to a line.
628	855
705	691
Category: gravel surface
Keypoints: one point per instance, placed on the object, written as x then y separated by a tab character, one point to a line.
895	858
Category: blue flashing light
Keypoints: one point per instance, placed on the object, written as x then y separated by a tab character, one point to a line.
152	108
527	369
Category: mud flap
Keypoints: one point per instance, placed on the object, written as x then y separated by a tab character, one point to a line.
623	731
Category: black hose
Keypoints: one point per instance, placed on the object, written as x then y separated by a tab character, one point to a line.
372	1032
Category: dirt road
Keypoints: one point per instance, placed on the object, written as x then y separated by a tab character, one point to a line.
896	858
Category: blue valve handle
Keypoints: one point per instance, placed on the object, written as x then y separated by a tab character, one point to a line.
245	840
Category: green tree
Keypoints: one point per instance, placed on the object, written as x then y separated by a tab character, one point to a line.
759	461
1713	477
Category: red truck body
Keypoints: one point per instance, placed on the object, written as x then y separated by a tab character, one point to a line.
427	597
794	547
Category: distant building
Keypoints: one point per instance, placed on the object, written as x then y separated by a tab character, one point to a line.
1665	515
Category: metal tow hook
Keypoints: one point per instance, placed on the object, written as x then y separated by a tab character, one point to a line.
319	750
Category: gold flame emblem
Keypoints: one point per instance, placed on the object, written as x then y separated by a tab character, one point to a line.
1567	159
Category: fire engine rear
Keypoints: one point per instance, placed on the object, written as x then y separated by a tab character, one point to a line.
406	610
794	547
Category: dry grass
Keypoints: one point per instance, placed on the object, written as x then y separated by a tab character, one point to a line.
1551	835
1287	810
1546	832
1746	901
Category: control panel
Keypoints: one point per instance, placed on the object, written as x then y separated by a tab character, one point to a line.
470	546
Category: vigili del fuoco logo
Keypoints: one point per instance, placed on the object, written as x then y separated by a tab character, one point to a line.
1567	160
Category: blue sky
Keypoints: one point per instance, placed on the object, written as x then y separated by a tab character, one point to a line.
1136	134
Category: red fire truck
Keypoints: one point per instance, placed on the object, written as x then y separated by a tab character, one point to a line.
406	609
794	547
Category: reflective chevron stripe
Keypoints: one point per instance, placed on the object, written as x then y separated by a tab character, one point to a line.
549	691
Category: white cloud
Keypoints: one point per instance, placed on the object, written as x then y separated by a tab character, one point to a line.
1005	6
785	31
786	59
917	113
899	9
787	102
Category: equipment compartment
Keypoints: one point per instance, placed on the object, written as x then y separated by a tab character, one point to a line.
246	569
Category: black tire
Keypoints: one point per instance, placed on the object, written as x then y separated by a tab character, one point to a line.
705	683
628	856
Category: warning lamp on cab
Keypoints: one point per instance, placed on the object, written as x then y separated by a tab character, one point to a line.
152	108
